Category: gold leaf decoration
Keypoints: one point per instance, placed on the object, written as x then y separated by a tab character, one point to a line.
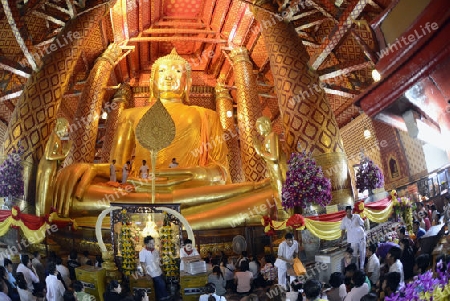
156	129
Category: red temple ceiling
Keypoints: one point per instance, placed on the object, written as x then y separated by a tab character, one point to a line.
339	40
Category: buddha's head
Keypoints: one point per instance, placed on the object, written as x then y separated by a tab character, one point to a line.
171	79
263	125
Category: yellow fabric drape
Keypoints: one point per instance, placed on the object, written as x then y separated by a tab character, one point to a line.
379	216
324	230
332	230
34	236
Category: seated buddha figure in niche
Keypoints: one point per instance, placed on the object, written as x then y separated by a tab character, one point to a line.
201	181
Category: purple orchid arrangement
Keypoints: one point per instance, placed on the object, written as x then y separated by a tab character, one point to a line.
305	183
11	175
425	287
369	176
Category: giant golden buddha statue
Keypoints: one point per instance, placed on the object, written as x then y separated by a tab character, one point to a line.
200	183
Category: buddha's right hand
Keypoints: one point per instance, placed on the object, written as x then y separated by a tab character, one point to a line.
72	181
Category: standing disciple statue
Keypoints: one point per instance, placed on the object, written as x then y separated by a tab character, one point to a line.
48	165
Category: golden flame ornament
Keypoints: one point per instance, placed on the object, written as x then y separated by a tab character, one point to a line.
155	131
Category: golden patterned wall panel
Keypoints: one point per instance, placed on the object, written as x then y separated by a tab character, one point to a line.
36	111
346	116
414	154
95	48
350	50
8	44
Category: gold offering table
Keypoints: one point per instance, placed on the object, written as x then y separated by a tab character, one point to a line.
143	282
192	286
93	279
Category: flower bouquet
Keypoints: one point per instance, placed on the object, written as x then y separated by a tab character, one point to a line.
305	183
426	287
11	175
369	176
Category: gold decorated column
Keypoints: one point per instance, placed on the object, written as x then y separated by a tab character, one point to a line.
248	110
224	107
309	123
119	102
35	114
83	131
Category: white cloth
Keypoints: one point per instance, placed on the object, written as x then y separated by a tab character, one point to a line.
152	262
204	297
361	249
112	173
29	276
288	253
354	228
25	295
173	165
55	288
124	173
65	274
183	254
373	266
143	171
357	293
253	267
397	266
342	291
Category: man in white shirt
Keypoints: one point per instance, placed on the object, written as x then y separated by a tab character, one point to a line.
287	251
188	251
112	171
64	271
395	265
125	170
354	225
25	268
151	265
143	171
373	264
360	289
174	163
55	288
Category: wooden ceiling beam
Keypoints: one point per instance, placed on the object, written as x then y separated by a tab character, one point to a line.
12	67
345	71
178	39
180	24
10	96
177	31
340	93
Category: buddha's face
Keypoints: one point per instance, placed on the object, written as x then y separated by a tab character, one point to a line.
170	80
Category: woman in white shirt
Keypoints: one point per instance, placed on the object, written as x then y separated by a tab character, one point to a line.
24	293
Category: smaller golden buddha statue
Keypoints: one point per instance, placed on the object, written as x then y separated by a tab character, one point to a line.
272	154
46	174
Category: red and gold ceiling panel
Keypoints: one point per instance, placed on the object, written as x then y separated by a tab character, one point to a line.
133	17
235	10
220	14
183	8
